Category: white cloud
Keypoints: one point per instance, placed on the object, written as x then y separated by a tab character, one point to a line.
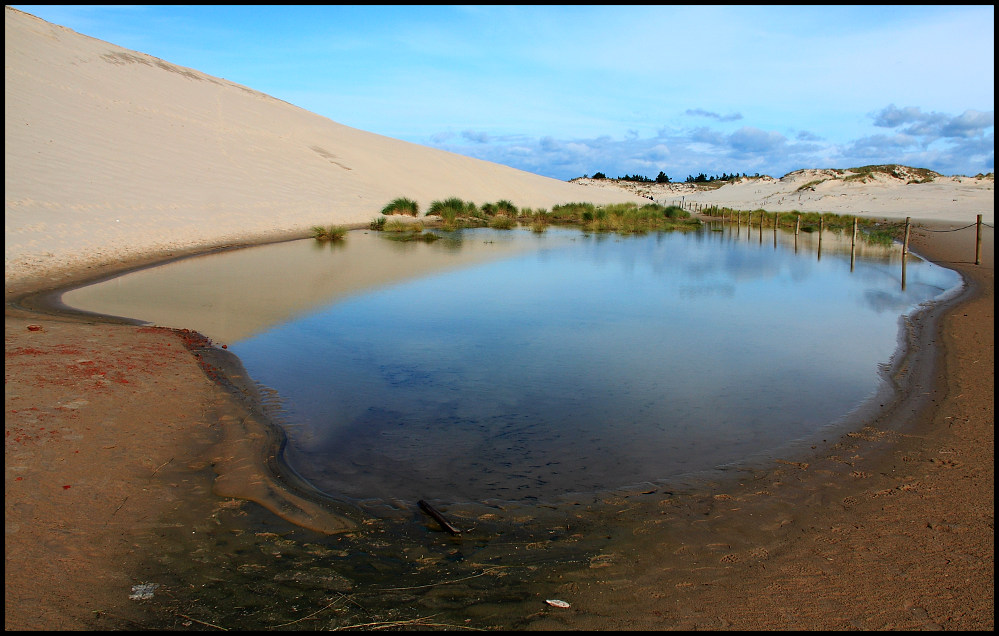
699	112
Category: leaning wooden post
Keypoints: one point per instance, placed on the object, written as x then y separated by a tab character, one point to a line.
978	242
853	245
822	223
438	517
905	238
797	223
905	248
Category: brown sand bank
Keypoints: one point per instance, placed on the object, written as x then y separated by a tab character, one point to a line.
110	433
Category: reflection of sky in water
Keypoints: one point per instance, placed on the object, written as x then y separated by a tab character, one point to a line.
600	362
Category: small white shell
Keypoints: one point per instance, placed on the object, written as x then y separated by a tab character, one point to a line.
554	602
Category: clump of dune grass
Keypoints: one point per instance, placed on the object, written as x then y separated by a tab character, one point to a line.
573	212
377	224
502	223
403	231
406	237
402	205
502	207
506	208
331	233
623	218
396	225
453	211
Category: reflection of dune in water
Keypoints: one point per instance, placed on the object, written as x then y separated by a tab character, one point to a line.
233	295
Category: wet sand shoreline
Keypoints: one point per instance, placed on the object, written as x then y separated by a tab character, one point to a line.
889	528
601	600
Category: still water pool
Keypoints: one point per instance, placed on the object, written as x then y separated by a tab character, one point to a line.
497	366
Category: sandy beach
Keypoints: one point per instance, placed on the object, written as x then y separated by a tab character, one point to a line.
114	433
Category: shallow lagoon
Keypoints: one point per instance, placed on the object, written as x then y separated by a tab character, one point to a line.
499	366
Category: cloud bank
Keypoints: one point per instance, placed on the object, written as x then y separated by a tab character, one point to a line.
947	143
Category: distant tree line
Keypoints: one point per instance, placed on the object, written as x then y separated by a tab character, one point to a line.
703	178
663	178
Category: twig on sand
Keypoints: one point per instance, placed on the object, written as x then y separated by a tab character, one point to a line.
417	587
390	624
161	466
116	511
331	604
190	618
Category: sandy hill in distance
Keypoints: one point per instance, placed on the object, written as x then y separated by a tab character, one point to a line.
110	153
883	191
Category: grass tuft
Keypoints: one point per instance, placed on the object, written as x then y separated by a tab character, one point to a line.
502	223
331	233
402	205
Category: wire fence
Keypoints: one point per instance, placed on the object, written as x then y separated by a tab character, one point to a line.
978	225
957	229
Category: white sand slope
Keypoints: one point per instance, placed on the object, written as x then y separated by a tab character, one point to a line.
111	154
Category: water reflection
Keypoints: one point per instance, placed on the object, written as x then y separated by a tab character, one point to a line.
229	296
511	366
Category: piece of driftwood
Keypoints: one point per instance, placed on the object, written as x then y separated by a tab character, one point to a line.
438	517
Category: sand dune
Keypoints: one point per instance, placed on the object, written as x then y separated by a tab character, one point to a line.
111	153
876	194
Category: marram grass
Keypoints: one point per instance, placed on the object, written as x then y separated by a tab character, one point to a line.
330	233
624	218
402	205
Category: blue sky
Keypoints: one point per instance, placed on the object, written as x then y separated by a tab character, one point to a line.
565	91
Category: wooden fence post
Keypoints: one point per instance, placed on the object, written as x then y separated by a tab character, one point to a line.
853	245
822	223
978	242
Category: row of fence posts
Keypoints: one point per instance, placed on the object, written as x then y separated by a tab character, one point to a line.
700	207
